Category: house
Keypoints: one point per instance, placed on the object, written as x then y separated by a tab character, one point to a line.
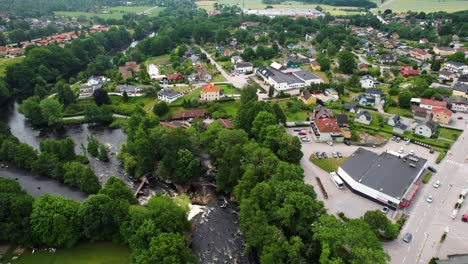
321	112
371	53
392	121
326	129
366	100
463	79
153	72
367	82
342	120
210	93
227	123
129	67
423	41
441	115
86	91
395	36
332	94
202	73
131	90
236	59
454	66
460	105
444	51
279	80
189	114
96	80
168	95
363	67
350	107
315	65
460	89
307	77
419	113
387	58
175	77
307	97
248	24
400	127
431	103
373	92
408	71
363	117
421	54
446	74
426	129
243	67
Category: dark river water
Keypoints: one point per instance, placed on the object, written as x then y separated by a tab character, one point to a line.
216	238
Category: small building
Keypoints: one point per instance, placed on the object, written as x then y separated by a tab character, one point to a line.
332	94
168	95
446	75
400	128
441	115
308	98
421	54
350	107
419	113
460	106
131	90
367	82
431	103
454	66
315	65
453	259
444	51
321	112
362	67
426	129
243	67
342	120
189	114
387	58
326	129
392	121
408	71
175	77
363	117
210	93
460	89
227	123
236	59
308	78
86	91
130	66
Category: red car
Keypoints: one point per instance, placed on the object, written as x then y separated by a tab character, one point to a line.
460	117
465	218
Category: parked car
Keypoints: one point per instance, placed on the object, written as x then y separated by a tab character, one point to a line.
431	151
305	139
330	143
339	154
401	151
398	139
324	155
303	133
334	155
347	142
393	138
411	152
460	117
385	210
432	169
318	155
429	199
297	130
408	237
407	142
465	218
436	184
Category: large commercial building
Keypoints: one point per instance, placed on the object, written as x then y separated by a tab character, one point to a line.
389	178
274	12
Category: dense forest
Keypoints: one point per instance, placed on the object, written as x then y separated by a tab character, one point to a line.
357	3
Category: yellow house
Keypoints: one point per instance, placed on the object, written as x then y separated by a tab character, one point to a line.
444	51
441	115
210	93
307	98
315	65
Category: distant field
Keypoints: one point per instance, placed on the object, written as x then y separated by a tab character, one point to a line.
257	4
5	62
116	12
89	253
426	5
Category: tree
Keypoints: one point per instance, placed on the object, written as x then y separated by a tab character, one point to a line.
45	164
103	153
24	156
125	97
169	248
54	221
324	62
64	94
161	108
354	81
101	97
457	56
93	146
51	111
116	189
271	91
95	114
63	149
347	62
404	99
31	109
380	224
261	122
279	113
81	177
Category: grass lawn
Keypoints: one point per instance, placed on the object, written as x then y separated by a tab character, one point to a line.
450	134
87	253
4	63
193	95
218	78
322	75
400	111
115	12
149	106
159	60
426	5
181	89
228	89
231	107
328	165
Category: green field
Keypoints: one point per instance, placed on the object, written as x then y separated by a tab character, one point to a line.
400	111
328	165
4	63
159	60
115	12
425	5
89	253
257	4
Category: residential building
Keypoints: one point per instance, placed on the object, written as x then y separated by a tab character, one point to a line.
210	93
367	82
446	74
321	112
392	121
307	77
350	107
307	97
168	95
426	129
463	79
294	13
332	94
153	72
96	80
326	129
431	103
342	120
454	66
460	105
363	67
189	114
243	67
387	58
227	123
408	71
86	91
315	65
419	113
236	59
129	67
389	178
279	80
175	77
444	51
453	259
400	128
441	115
363	117
423	41
421	54
460	89
131	90
248	24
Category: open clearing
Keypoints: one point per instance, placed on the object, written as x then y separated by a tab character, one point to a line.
89	253
426	5
115	12
257	4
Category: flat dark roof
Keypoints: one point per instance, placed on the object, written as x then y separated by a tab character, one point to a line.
386	172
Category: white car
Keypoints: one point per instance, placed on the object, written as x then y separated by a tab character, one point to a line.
330	143
401	150
429	199
436	184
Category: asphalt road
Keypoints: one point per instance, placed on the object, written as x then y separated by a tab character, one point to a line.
428	221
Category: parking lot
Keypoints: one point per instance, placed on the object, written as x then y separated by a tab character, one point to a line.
343	200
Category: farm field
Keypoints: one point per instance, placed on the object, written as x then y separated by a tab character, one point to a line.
425	5
257	4
89	253
4	63
115	12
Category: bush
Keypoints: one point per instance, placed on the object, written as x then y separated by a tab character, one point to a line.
343	216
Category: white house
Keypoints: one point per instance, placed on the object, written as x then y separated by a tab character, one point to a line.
367	82
426	129
279	80
153	72
400	127
460	107
363	117
243	67
236	59
96	80
168	95
392	121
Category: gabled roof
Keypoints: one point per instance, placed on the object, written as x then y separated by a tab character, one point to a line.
433	102
327	125
395	118
210	88
366	114
306	94
349	106
227	123
341	119
401	125
419	111
437	110
461	87
431	125
320	111
373	91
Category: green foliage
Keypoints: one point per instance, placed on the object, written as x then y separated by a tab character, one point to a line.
54	221
381	225
93	146
427	178
101	97
81	177
441	156
45	164
103	153
96	114
169	248
64	93
64	149
347	62
115	188
404	99
161	108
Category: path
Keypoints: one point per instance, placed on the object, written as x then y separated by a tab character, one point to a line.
148	10
82	117
238	81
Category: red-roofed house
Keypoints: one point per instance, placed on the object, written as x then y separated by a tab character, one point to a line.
187	114
227	123
326	129
421	54
409	71
175	77
315	65
128	68
210	93
441	115
431	103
